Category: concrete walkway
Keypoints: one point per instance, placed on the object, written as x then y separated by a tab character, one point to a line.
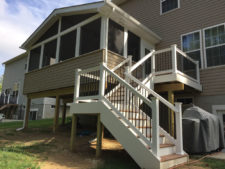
220	155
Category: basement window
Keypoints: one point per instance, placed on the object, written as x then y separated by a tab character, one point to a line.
69	21
34	59
53	30
49	55
134	46
116	38
67	46
90	37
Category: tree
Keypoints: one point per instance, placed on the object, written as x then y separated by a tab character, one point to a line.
1	78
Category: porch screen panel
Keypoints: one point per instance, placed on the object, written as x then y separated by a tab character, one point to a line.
53	30
69	21
34	59
115	37
67	46
134	46
49	56
90	37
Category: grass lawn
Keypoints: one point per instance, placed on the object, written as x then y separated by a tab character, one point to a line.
39	148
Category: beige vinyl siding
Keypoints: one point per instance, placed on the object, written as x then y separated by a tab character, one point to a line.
191	16
114	59
60	75
213	81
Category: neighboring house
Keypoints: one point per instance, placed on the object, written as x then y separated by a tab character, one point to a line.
12	91
133	97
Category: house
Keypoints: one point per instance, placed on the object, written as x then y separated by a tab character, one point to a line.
12	99
130	63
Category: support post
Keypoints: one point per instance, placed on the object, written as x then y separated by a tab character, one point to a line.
179	129
56	117
73	132
64	114
174	58
27	113
102	81
99	136
77	85
155	126
171	114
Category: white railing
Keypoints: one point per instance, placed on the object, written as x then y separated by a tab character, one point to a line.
169	61
101	74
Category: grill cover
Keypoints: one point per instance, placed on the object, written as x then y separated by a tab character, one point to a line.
202	131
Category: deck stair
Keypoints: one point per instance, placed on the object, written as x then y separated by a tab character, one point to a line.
129	109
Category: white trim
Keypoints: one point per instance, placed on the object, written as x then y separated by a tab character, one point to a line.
58	41
125	44
204	46
201	45
28	61
162	13
104	35
41	56
77	48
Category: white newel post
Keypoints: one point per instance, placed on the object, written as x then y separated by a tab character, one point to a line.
77	85
102	81
155	126
198	73
179	129
174	58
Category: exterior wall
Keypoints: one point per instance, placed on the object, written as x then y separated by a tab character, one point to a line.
60	75
14	73
191	16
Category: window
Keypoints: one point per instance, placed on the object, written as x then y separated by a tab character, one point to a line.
49	55
67	46
34	59
215	45
168	5
134	45
90	37
115	38
191	44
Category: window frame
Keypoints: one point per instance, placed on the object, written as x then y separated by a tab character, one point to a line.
162	13
204	45
201	46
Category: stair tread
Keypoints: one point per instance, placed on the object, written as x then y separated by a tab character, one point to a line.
163	146
172	157
161	135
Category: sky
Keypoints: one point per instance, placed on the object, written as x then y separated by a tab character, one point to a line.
20	18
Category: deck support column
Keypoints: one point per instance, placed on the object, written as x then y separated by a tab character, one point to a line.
27	113
171	121
56	117
99	136
64	114
73	132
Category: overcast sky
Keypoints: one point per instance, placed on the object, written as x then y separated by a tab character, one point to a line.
19	18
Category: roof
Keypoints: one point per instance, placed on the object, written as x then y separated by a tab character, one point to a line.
104	8
15	58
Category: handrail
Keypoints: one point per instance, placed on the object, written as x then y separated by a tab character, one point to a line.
147	101
185	55
164	101
141	61
129	59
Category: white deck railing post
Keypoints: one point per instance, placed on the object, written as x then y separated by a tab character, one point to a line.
179	129
77	85
198	73
102	80
174	58
155	126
